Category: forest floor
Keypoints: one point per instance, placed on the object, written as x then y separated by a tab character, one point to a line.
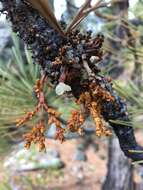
76	175
79	175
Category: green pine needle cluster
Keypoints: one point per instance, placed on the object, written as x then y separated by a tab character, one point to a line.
17	79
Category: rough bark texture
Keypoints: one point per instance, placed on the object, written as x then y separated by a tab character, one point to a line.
120	171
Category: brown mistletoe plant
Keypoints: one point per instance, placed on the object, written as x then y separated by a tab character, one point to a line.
69	61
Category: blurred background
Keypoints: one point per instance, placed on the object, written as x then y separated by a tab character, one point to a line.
80	163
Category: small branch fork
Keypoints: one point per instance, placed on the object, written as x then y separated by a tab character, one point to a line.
83	12
44	8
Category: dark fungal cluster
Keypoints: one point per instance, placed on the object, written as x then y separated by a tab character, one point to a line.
35	31
73	60
50	49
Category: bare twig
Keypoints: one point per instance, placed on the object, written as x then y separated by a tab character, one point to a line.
44	8
87	68
83	12
107	17
79	14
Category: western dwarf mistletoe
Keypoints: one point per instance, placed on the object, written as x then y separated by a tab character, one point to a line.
69	61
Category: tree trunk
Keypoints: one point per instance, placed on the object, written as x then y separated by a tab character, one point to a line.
121	7
120	171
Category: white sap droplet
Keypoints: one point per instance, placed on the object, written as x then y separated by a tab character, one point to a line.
61	88
93	59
